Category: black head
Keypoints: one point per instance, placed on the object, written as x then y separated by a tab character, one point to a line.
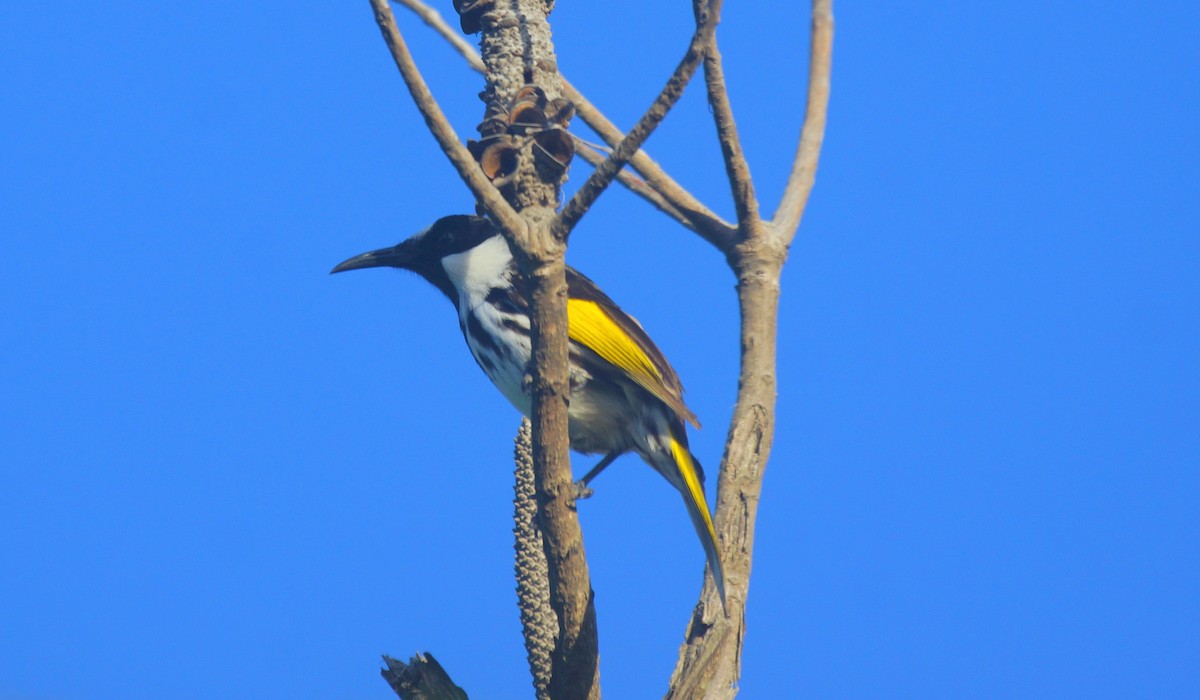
423	252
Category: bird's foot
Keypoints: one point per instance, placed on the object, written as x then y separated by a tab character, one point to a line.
582	490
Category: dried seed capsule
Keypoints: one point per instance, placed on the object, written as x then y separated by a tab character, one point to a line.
552	153
498	160
526	117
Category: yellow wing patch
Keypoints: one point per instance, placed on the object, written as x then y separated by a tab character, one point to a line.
588	325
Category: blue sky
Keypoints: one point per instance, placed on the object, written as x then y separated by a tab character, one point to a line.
224	473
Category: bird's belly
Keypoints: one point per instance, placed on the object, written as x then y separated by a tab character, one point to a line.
593	416
595	409
598	419
506	369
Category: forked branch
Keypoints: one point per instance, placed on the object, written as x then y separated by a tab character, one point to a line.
736	168
710	658
655	185
586	195
700	218
500	210
634	183
812	135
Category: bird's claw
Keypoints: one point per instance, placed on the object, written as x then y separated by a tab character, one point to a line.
582	491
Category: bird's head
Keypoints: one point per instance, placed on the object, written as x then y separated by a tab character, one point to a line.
423	252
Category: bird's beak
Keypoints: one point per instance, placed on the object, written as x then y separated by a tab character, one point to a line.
396	256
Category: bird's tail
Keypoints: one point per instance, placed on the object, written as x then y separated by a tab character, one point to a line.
692	489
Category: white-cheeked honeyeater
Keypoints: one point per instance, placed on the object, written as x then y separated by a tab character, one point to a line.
624	395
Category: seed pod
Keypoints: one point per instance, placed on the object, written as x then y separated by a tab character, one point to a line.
498	160
492	126
530	93
552	152
526	117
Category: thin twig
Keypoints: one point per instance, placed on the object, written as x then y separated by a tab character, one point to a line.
440	127
808	151
634	183
586	195
738	170
437	23
701	219
656	186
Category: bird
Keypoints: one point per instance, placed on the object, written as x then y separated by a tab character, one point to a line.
624	395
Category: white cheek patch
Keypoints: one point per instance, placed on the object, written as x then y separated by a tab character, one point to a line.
476	271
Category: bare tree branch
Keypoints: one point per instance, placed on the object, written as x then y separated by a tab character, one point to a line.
586	195
709	662
700	218
437	23
517	29
812	135
440	127
656	187
710	658
738	170
634	183
422	678
518	51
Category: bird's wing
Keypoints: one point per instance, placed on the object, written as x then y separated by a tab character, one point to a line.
597	323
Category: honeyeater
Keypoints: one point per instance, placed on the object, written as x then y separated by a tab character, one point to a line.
624	395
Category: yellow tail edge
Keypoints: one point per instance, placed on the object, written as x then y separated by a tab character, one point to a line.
697	506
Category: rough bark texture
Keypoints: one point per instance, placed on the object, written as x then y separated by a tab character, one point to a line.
575	668
710	659
517	51
709	662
